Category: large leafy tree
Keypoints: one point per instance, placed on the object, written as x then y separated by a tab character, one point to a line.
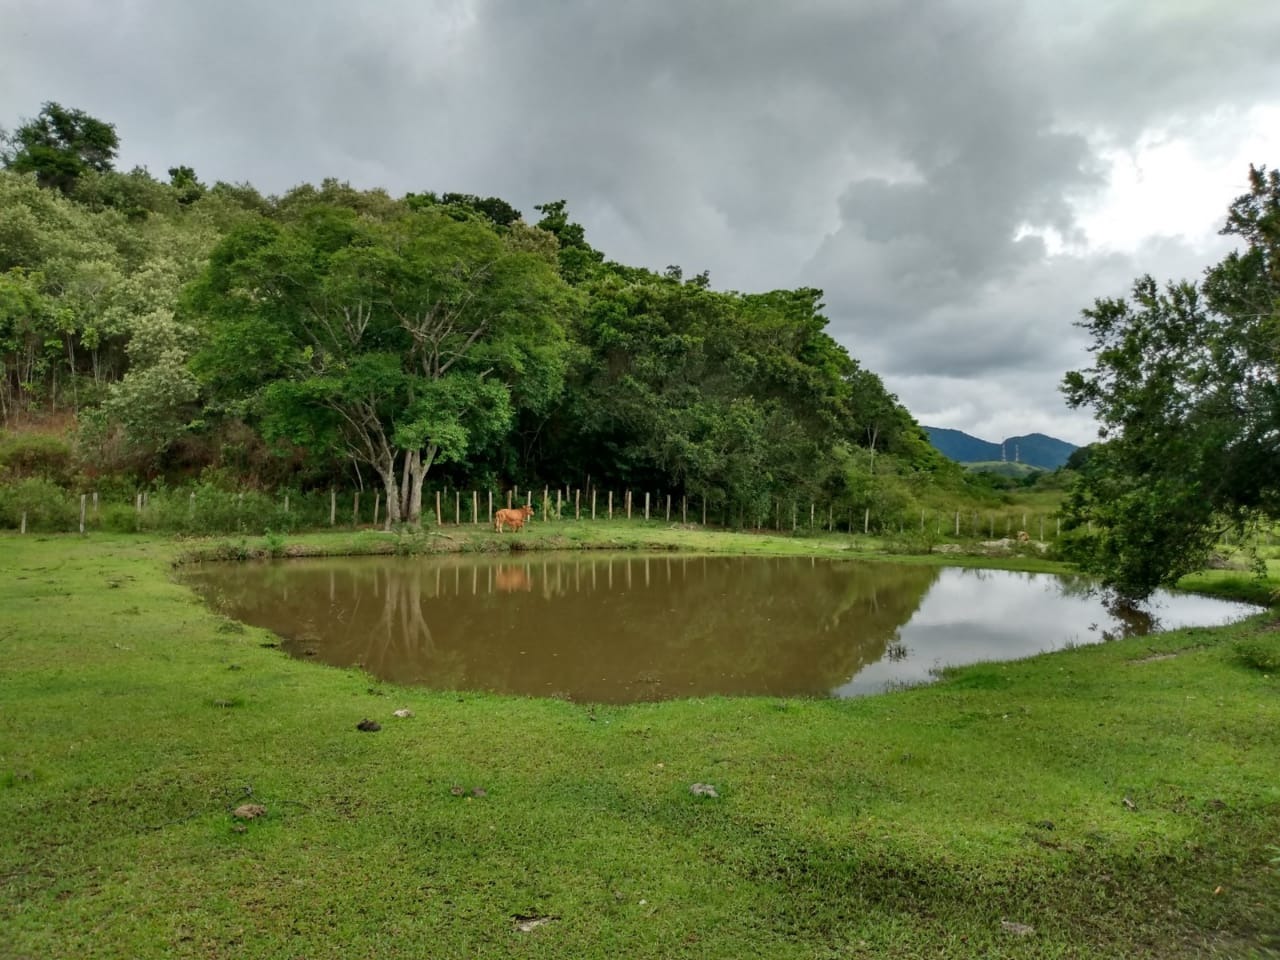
737	399
61	145
401	340
1186	388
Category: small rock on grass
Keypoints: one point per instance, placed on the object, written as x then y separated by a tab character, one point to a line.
1017	929
526	924
703	790
249	811
368	726
403	713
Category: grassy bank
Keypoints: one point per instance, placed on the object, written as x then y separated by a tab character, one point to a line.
1118	800
615	535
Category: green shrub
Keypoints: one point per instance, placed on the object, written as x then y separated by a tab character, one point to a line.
47	506
118	518
36	455
1260	653
911	542
209	509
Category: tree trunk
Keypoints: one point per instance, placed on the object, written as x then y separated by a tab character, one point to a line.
393	512
404	486
418	467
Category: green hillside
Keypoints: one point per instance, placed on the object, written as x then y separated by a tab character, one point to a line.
1003	468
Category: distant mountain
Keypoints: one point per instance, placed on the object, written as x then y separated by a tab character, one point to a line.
1034	449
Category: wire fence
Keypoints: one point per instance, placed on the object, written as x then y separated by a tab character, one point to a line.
39	507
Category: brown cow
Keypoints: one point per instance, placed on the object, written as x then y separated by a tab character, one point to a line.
512	518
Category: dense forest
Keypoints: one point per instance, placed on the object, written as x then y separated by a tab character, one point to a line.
192	333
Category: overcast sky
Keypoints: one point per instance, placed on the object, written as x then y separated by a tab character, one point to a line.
961	178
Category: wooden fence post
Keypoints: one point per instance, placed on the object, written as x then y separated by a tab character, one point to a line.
475	507
957	523
866	521
95	503
23	529
377	506
610	498
668	508
812	507
646	504
355	509
137	504
704	511
593	503
333	506
577	503
439	514
684	508
490	506
628	504
457	508
83	501
508	499
558	492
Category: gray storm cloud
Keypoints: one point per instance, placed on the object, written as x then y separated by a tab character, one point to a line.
903	156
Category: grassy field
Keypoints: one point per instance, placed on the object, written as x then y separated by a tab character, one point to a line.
1121	800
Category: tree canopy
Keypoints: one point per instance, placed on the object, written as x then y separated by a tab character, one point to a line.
61	145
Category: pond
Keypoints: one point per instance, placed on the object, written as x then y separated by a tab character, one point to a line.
624	628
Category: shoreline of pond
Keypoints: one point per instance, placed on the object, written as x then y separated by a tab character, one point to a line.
627	536
678	624
623	537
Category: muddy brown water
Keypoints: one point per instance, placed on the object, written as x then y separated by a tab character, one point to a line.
618	629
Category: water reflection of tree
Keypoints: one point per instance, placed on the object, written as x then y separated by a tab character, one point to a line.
567	624
1131	621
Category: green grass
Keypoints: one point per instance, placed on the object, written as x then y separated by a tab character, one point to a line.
620	535
1122	800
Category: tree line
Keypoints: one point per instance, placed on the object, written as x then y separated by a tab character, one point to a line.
198	330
